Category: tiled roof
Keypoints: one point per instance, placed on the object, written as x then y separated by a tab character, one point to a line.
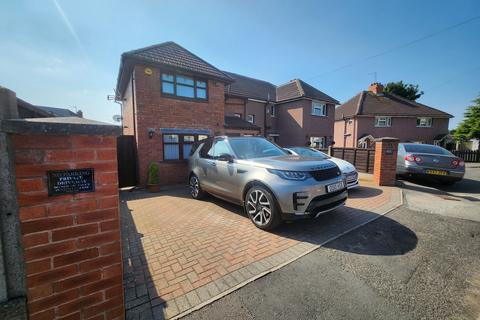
58	112
300	89
250	88
30	110
173	55
232	122
386	104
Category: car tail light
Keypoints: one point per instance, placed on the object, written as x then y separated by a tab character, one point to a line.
412	158
458	163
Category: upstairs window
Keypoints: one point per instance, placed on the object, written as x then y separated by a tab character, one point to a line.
383	121
272	111
319	109
251	118
184	86
424	122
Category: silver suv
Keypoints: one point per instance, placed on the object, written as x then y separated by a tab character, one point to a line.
270	184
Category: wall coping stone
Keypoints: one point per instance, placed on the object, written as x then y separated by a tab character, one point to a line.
60	125
386	139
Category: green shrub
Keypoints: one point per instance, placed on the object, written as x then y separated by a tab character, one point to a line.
153	177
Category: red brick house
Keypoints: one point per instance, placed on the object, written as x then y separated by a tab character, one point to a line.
372	114
172	98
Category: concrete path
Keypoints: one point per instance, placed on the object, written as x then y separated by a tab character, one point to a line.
181	254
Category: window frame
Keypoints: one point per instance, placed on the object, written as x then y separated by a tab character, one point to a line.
388	121
181	142
175	83
253	118
324	109
273	111
321	139
429	123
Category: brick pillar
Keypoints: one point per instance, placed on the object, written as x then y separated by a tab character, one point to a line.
385	167
71	242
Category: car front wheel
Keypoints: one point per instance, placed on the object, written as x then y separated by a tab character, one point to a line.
262	208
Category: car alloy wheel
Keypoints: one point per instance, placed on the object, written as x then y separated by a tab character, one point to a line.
194	187
259	208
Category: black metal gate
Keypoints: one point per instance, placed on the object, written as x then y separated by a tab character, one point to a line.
127	161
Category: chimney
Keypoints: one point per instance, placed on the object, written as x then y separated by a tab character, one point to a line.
80	113
376	88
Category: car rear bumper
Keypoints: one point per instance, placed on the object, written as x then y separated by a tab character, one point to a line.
452	175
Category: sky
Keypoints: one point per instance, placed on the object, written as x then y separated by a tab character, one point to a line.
66	53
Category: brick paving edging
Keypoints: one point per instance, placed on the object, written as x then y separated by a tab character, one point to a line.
200	297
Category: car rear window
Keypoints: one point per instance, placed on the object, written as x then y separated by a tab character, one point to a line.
426	148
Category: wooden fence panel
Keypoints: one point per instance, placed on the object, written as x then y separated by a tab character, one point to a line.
468	155
362	159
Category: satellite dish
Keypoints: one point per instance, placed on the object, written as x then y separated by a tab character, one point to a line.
117	118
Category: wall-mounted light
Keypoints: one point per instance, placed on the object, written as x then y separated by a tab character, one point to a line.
151	131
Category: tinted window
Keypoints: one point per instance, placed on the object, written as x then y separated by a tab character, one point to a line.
220	148
310	153
426	148
250	148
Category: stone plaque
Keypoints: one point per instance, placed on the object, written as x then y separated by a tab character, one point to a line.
70	181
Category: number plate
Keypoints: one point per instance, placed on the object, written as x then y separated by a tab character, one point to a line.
437	172
335	187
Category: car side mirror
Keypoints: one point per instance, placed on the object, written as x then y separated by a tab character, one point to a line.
225	157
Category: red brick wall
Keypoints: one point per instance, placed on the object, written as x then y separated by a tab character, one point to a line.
296	125
156	111
404	129
71	242
128	111
258	110
235	105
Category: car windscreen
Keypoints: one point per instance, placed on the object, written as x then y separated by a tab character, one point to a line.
251	148
309	152
426	148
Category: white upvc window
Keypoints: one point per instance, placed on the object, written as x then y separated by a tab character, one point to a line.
383	121
317	142
251	118
319	109
424	122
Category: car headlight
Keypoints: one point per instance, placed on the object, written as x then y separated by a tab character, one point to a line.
290	175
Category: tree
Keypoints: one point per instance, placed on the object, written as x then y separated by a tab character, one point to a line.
469	128
408	91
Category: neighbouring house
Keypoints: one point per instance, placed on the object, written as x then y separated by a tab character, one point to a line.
172	98
28	110
374	113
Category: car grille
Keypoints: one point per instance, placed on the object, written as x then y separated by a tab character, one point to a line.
325	174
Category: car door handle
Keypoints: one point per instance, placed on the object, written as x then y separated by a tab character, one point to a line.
213	164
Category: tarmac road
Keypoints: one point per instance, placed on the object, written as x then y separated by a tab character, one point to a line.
407	265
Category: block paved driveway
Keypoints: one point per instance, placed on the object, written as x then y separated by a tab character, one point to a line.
180	254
